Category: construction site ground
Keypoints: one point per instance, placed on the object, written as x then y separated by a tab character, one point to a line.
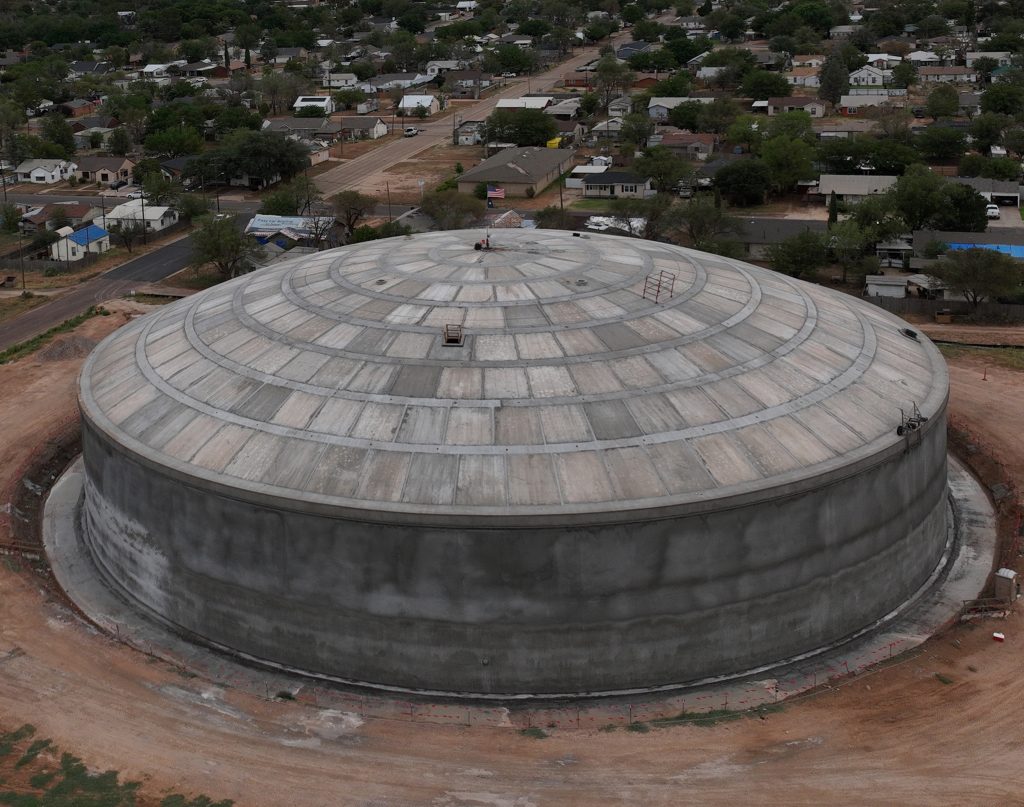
940	727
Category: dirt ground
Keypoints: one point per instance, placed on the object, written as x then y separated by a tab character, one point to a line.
902	735
433	166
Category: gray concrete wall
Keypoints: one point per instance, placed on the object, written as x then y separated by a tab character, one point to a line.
573	609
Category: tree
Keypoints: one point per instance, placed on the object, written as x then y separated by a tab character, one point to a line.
452	210
744	182
159	190
904	75
1003	98
637	129
553	218
798	255
985	65
191	207
717	116
175	142
611	77
686	116
796	124
978	165
704	223
389	229
220	240
833	209
1013	141
941	143
350	207
962	210
293	198
760	84
663	168
788	160
987	129
917	196
847	242
349	98
247	37
57	131
127	232
834	79
524	127
119	143
943	102
980	274
747	131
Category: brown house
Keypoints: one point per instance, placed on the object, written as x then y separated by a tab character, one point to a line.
103	169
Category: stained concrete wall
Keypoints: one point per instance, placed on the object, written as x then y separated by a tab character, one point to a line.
574	609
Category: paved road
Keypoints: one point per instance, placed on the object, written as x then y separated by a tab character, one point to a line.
147	268
356	172
110	200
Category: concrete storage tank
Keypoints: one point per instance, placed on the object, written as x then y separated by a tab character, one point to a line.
600	486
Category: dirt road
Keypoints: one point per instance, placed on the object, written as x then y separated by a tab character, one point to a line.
898	736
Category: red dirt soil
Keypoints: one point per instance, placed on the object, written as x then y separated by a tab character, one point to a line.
898	736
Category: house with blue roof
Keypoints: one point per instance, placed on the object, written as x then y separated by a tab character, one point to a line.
75	245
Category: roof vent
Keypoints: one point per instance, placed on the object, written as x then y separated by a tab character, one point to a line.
909	333
452	335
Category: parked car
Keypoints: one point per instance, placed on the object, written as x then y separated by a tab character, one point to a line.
135	194
119	184
411	131
992	211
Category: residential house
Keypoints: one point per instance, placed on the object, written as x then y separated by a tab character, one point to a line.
580	173
629	49
45	171
468	83
947	75
440	66
869	76
411	104
883	61
620	107
205	69
923	58
99	121
791	103
518	170
842	31
565	109
339	81
363	127
708	74
853	104
76	245
758	235
659	107
853	187
78	108
815	60
525	102
155	217
616	185
285	55
93	137
842	130
103	169
46	217
692	145
885	286
312	128
1003	58
608	129
969	105
174	169
993	190
160	73
83	69
324	102
804	77
570	132
470	133
396	81
519	40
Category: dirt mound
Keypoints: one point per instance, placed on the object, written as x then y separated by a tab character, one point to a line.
72	346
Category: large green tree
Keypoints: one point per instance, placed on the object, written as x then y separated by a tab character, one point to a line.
798	255
524	127
760	84
744	182
220	241
980	274
789	161
663	168
452	210
943	102
834	79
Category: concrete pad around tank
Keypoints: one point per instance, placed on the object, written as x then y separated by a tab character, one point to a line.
963	573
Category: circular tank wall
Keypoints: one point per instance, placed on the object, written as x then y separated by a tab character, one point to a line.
642	465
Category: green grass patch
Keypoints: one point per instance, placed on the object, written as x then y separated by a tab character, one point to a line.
944	679
42	779
767	709
593	205
198	801
535	732
639	728
705	719
29	346
152	299
1009	357
33	751
608	727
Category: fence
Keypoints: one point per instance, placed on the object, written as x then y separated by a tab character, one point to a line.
928	308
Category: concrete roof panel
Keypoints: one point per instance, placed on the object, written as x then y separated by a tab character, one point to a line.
326	379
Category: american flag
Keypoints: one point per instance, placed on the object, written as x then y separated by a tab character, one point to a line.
495	193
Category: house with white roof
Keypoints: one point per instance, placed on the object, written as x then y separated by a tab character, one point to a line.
869	76
338	81
324	102
659	107
45	171
883	61
531	102
410	104
921	58
154	217
1001	57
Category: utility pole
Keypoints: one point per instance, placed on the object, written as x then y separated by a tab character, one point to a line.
142	199
387	187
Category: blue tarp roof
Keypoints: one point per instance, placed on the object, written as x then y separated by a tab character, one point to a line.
1013	250
87	235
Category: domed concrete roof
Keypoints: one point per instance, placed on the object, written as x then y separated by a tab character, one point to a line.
326	380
